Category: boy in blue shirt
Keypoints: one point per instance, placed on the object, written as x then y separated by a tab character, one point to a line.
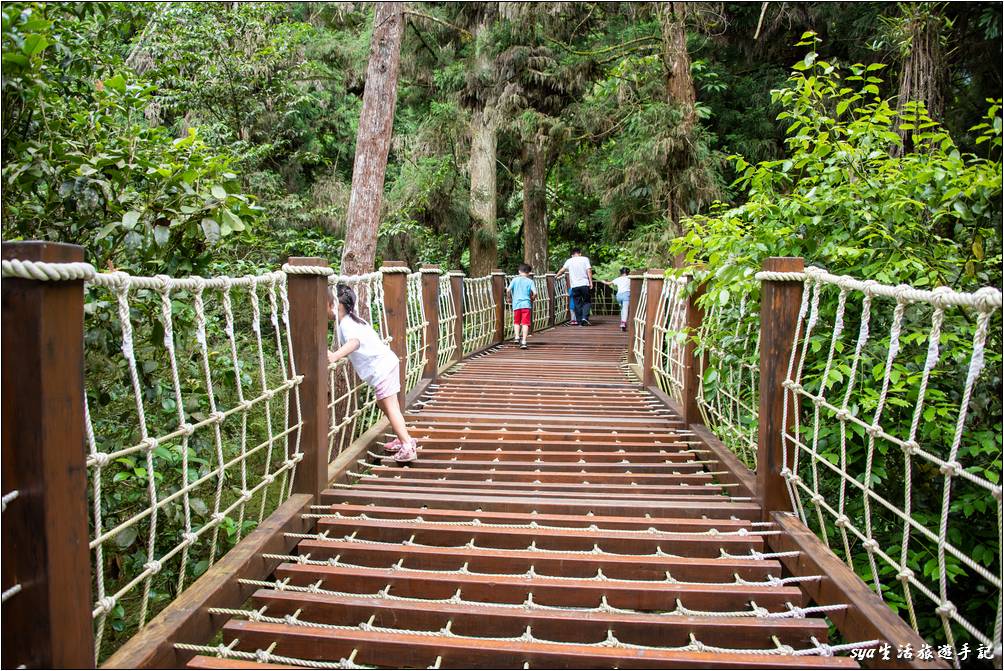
521	293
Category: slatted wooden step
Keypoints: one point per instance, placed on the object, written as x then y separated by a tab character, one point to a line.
557	517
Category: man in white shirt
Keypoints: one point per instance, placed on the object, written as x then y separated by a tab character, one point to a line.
580	281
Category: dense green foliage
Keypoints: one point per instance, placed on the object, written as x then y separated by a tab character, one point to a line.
195	138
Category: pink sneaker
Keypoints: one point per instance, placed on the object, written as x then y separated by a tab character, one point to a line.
407	452
393	446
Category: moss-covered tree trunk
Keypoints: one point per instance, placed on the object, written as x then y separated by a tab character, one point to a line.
534	173
376	121
482	171
679	92
922	78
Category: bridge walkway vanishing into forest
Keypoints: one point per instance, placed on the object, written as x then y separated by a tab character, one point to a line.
573	505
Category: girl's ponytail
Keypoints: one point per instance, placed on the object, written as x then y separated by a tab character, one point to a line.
347	299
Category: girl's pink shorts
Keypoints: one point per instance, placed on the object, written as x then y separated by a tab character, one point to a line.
390	385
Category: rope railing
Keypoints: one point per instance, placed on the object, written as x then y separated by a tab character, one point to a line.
894	458
479	314
640	319
728	353
352	408
447	345
669	333
561	312
604	300
541	301
190	384
417	347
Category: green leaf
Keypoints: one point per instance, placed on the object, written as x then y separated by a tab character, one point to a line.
161	234
130	218
232	221
218	192
126	537
116	83
33	45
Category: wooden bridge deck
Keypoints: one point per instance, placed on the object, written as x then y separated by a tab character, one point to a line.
558	516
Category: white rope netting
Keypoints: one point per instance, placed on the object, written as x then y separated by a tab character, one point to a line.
603	300
895	455
669	334
479	314
352	407
541	304
447	324
417	347
191	387
640	318
561	312
510	330
728	392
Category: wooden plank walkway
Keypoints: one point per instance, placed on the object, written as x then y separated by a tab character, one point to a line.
558	516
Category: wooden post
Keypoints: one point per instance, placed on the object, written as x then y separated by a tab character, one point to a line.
45	529
457	285
636	281
779	305
552	302
654	280
430	302
308	326
395	300
498	290
693	370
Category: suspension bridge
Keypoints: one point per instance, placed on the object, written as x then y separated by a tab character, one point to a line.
188	482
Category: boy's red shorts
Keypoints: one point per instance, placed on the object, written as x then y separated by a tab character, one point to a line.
521	316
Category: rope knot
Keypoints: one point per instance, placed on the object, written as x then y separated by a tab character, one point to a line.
245	495
187	428
101	459
189	538
149	444
905	575
843	414
987	299
817	498
946	610
871	545
261	656
216	417
743	532
163	283
246	406
911	447
940	298
218	518
107	604
842	521
869	287
153	566
951	469
874	430
825	650
797	612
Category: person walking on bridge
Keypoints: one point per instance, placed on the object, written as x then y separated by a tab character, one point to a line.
580	280
521	294
623	286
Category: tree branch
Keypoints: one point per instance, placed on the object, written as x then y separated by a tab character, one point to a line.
647	38
440	21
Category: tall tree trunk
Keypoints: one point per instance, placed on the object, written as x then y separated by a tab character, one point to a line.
922	77
482	171
534	173
679	82
680	92
376	121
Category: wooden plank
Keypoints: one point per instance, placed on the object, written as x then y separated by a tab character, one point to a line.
411	650
187	618
779	305
738	472
205	662
566	593
655	629
308	317
867	616
45	529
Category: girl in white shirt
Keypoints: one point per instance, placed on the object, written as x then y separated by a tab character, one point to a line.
623	285
374	363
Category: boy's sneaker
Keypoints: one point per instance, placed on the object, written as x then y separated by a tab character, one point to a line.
393	446
522	345
574	323
623	326
407	453
585	322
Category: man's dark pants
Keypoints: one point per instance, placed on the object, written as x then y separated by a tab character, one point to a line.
580	297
